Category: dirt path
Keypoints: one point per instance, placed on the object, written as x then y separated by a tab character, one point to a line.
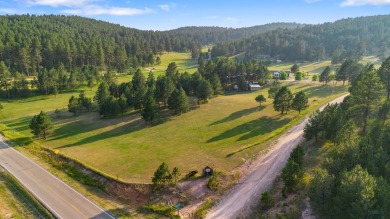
268	167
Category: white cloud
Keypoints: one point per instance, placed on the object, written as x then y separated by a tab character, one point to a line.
87	7
165	7
312	1
364	2
98	10
8	11
57	3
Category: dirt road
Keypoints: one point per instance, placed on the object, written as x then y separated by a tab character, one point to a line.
268	167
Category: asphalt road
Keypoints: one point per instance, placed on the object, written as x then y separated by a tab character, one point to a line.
248	191
55	195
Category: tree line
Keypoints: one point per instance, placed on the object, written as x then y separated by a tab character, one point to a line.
353	38
354	179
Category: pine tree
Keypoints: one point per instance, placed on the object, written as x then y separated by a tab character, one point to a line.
161	177
102	93
41	125
283	100
216	84
73	105
149	112
325	75
204	91
178	101
300	102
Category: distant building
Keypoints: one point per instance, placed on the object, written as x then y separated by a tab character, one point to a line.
254	87
276	74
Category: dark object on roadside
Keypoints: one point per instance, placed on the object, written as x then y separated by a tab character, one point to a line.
191	174
207	171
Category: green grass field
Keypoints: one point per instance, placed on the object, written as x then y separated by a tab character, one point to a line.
183	61
318	67
128	150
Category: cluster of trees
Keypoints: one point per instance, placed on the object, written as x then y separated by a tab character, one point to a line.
163	177
230	72
150	94
341	39
53	81
284	100
79	104
354	180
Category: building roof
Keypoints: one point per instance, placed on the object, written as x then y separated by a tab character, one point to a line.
254	85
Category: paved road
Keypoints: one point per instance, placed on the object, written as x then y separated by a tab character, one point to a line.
240	200
58	197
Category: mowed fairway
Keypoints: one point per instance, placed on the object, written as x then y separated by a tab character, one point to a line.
128	150
182	60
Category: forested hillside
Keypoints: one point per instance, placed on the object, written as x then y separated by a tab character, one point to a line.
344	38
207	35
31	43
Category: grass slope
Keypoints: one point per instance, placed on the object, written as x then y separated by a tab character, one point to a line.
126	149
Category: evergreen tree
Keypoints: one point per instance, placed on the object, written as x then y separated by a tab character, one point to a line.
139	89
102	93
216	84
300	102
325	75
204	91
41	125
384	72
313	126
73	105
164	89
161	177
178	101
149	112
365	93
294	68
356	194
283	100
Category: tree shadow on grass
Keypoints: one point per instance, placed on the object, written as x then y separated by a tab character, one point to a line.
118	131
236	115
253	128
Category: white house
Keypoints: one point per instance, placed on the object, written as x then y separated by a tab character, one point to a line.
254	87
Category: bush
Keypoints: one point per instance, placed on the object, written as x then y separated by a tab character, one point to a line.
298	76
202	210
266	201
163	209
213	183
315	78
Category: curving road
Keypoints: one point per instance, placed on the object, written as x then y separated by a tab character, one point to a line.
260	180
59	198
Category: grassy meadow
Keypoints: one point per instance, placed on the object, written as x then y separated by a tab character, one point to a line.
183	61
127	149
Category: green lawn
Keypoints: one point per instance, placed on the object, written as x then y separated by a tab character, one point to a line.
311	67
183	61
127	149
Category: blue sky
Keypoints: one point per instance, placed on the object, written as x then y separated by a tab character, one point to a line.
170	14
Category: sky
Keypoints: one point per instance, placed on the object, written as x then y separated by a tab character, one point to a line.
171	14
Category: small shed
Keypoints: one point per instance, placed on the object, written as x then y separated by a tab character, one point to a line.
276	74
208	171
254	87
